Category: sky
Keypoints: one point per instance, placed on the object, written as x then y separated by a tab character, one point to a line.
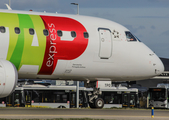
146	19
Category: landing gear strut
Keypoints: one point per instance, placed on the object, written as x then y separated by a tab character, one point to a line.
95	101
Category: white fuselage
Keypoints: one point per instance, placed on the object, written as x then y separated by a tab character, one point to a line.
109	55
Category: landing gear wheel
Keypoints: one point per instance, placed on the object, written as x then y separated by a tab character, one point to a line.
99	103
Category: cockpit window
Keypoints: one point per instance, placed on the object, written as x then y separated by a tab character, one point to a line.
130	37
138	39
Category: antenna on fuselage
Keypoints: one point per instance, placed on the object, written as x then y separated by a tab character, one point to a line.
9	8
9	5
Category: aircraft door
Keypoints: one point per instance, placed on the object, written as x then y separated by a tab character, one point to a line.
105	43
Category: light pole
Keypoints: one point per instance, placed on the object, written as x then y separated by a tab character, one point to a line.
9	3
77	7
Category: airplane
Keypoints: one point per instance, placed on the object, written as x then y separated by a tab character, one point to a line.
36	45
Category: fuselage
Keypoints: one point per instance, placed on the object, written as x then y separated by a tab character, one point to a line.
73	47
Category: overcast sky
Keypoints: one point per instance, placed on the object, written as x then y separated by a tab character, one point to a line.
146	19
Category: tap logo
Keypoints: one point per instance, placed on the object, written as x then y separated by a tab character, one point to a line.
62	47
40	50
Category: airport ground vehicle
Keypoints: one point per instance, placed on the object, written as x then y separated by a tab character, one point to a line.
120	97
65	97
46	96
158	96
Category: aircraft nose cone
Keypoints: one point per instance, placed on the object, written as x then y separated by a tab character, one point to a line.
159	66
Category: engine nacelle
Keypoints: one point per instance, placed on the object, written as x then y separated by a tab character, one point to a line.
8	78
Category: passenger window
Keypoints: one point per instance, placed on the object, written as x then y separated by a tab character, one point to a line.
59	33
17	30
31	31
45	32
73	34
2	29
130	37
86	35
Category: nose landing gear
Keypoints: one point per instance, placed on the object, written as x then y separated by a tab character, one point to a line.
94	100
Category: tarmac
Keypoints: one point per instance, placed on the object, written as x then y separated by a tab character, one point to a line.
113	114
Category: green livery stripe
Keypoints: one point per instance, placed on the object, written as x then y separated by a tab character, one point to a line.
25	22
33	55
10	20
21	51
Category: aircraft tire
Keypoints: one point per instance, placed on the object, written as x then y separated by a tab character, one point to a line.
99	103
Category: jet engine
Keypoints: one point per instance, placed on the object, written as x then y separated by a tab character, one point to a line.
8	78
